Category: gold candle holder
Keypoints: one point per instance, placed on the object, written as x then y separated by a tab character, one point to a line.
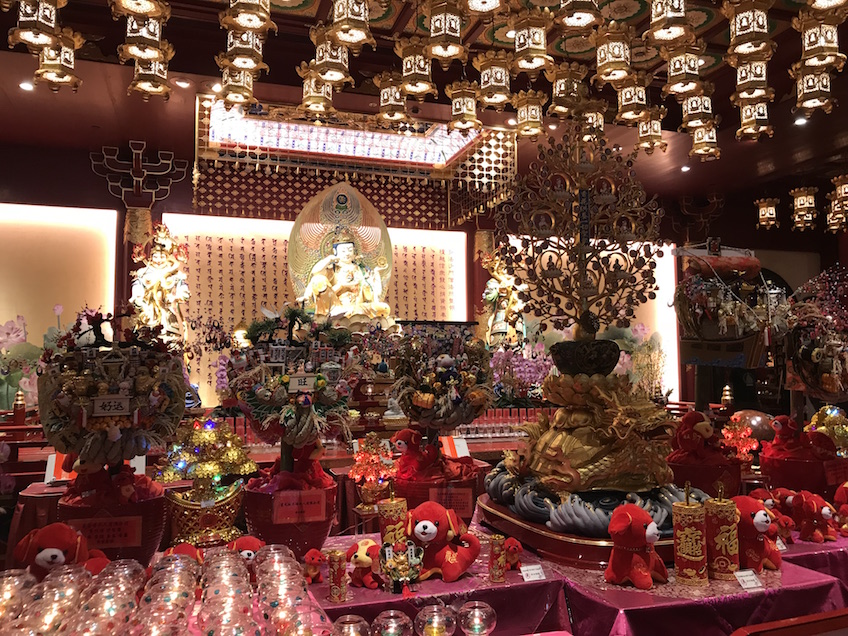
391	515
722	537
690	542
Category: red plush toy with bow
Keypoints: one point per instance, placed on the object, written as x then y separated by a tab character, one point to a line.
814	517
633	558
365	557
437	530
312	561
513	550
756	549
782	525
412	460
54	545
696	442
246	546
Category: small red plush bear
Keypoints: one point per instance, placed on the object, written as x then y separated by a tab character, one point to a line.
513	550
246	546
312	561
633	558
814	517
756	549
54	545
436	529
365	557
840	502
412	460
697	442
782	525
783	498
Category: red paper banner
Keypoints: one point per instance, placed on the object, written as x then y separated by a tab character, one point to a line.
299	506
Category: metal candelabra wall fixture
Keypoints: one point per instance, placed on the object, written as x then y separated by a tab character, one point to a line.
804	211
248	22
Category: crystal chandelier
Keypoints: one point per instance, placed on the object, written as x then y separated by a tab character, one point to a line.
749	30
417	81
531	42
612	52
317	95
445	43
331	59
392	99
668	23
835	218
143	40
150	78
804	208
529	108
698	109
579	15
704	142
38	24
463	96
650	130
767	213
244	52
568	87
56	63
494	78
812	88
350	25
684	70
248	15
633	98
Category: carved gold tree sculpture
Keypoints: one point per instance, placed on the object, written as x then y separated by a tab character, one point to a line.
581	233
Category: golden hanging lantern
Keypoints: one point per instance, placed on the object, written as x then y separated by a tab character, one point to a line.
392	99
826	5
820	38
38	24
684	70
749	28
143	40
140	8
698	109
494	78
835	218
579	15
633	98
150	78
804	208
463	96
669	25
650	130
754	119
56	63
531	41
840	185
236	86
416	68
612	52
529	108
350	25
590	113
445	41
244	52
332	61
767	213
751	79
248	15
704	142
568	88
317	95
812	88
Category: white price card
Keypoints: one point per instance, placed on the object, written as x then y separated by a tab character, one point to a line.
532	572
749	580
780	544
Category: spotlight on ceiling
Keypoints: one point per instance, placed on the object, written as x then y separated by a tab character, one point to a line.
685	168
182	82
216	87
512	121
26	86
799	121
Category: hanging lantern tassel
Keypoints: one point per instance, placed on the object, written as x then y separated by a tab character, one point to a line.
722	537
690	542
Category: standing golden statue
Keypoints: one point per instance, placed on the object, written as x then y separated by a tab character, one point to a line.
160	287
506	318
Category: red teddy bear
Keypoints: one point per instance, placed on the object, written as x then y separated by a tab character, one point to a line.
782	525
697	442
436	529
246	546
312	561
756	549
814	517
633	557
54	545
783	498
365	557
513	550
412	460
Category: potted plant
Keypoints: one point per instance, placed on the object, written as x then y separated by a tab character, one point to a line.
102	403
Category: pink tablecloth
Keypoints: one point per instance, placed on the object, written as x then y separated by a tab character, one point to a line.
830	557
674	609
523	608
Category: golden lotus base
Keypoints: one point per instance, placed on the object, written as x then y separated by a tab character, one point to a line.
205	523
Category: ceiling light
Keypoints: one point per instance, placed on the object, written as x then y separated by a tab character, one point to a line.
510	35
26	86
445	44
685	168
417	80
531	42
650	132
511	121
579	14
799	121
56	64
529	108
552	126
350	25
182	83
568	87
612	42
804	208
392	99
494	78
216	87
331	59
668	22
767	213
463	96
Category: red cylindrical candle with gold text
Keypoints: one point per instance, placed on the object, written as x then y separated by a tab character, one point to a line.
690	543
497	559
391	514
337	576
722	539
